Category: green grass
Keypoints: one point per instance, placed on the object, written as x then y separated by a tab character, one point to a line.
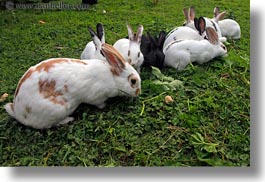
208	124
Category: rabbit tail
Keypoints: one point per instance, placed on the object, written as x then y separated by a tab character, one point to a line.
10	109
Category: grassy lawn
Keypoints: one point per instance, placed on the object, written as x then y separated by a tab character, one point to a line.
208	124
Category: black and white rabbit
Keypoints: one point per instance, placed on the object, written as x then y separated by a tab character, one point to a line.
187	33
92	49
190	21
152	49
180	53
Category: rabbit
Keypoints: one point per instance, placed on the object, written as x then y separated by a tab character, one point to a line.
130	48
51	91
180	53
92	49
152	49
184	33
190	22
229	28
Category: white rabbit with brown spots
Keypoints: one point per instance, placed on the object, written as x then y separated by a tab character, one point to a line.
51	91
130	48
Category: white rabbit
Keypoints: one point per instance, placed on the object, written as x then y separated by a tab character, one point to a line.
130	48
180	53
51	91
229	28
192	22
92	49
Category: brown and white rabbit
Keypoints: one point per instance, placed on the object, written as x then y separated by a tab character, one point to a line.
51	91
130	48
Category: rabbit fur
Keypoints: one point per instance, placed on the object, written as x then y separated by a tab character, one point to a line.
130	48
51	91
92	49
180	53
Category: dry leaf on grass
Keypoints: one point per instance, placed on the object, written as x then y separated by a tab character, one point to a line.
42	22
3	97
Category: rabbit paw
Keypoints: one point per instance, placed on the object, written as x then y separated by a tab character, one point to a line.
65	121
101	106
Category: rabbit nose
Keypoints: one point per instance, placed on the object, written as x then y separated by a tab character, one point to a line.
138	91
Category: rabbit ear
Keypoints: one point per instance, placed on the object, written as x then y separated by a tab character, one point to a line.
138	36
216	11
115	60
161	39
221	16
192	13
101	33
200	24
154	44
186	14
130	32
212	35
217	15
95	38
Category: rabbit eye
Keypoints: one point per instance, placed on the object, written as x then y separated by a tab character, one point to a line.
223	47
133	81
138	54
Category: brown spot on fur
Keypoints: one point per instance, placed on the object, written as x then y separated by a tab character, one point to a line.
28	109
114	71
45	66
48	91
23	79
